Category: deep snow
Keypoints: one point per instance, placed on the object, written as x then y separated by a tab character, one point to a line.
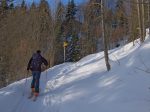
86	86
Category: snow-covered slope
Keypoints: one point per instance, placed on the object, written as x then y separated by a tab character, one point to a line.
86	86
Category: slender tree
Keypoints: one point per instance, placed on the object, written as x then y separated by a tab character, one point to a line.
134	31
104	37
143	19
140	20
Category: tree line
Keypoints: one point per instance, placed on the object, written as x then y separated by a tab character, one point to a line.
65	33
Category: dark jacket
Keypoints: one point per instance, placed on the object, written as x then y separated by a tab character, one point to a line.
42	60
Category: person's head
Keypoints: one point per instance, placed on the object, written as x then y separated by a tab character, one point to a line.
38	51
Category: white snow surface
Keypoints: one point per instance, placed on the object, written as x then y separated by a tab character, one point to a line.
87	86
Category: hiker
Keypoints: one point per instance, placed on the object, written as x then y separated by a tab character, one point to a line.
35	66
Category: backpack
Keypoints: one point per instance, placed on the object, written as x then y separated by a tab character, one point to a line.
36	61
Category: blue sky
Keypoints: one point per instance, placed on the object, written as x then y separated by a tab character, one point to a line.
52	1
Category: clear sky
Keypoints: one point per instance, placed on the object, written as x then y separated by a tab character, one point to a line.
52	1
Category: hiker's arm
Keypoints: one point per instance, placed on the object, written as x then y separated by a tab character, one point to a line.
45	61
28	67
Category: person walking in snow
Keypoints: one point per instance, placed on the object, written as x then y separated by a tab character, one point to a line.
34	65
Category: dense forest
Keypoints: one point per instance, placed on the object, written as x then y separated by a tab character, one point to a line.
65	33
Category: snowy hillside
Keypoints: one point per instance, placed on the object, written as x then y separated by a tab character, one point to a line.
86	86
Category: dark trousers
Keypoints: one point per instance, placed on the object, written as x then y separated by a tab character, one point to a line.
35	81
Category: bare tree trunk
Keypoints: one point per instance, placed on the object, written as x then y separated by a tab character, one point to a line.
131	23
139	19
104	37
143	20
149	15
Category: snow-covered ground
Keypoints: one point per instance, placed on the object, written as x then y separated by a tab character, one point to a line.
86	86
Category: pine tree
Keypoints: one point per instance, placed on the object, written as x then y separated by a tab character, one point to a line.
4	4
3	8
23	5
59	33
71	33
71	11
76	48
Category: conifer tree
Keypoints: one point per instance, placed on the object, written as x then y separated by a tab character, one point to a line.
71	34
4	4
59	18
3	8
71	11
